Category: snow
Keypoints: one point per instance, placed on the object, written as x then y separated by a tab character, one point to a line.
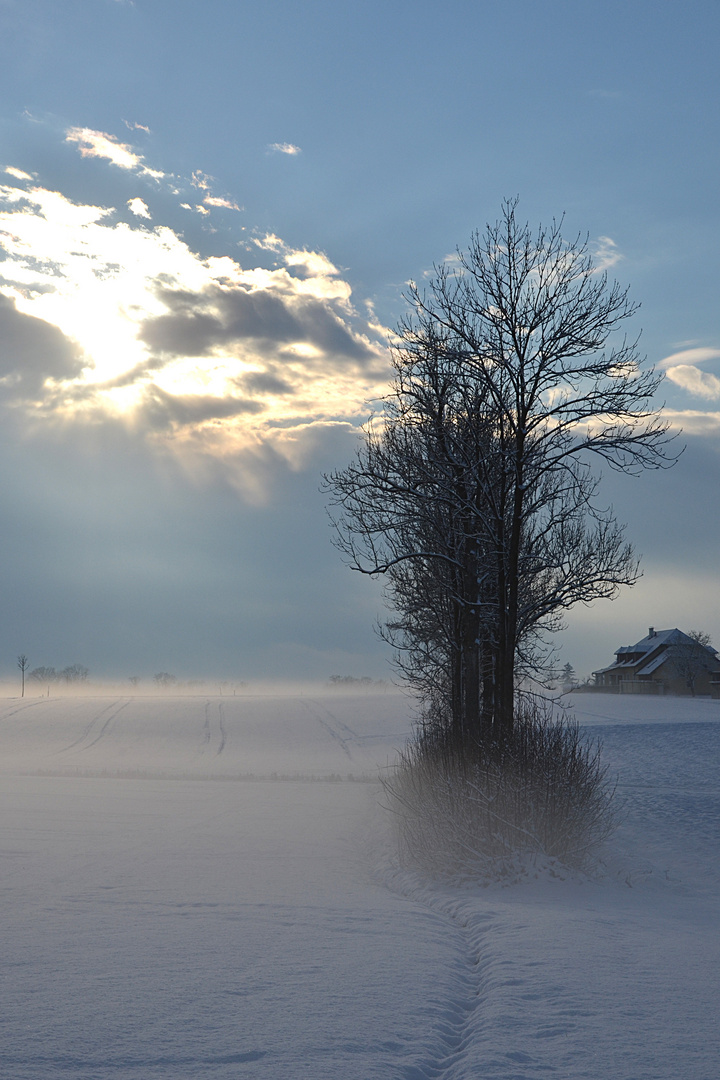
205	886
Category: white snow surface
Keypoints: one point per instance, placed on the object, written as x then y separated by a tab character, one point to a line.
207	887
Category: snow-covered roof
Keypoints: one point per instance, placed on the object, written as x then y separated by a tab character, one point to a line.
655	638
654	664
657	642
615	667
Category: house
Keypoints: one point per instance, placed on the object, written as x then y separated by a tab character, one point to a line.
664	662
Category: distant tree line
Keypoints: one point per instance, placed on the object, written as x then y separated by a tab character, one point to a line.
74	673
352	680
164	679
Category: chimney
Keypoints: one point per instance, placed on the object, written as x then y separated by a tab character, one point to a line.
651	631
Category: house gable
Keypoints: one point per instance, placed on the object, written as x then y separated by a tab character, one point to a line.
664	661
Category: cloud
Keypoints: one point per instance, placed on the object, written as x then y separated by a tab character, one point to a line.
201	180
214	200
202	352
283	148
139	208
606	253
699	383
180	410
266	382
17	173
312	264
682	370
693	421
699	355
32	352
269	242
198	323
98	144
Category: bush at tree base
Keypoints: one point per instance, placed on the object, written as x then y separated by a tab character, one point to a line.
468	806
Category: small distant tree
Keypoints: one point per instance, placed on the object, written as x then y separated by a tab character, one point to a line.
568	677
134	680
43	675
164	679
691	659
75	673
22	663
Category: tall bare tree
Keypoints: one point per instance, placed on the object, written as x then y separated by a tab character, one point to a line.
22	663
474	492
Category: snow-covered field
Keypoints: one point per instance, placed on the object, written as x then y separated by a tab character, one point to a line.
204	887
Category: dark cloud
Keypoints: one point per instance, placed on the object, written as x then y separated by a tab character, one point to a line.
161	409
182	333
198	323
32	350
265	382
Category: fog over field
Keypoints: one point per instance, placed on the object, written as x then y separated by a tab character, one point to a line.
215	219
205	885
203	264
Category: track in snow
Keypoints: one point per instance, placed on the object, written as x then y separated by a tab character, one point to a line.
221	724
460	1014
21	708
335	728
208	728
106	724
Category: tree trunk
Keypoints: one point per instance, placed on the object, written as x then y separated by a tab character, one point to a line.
471	675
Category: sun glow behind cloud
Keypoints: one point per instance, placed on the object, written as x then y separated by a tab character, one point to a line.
194	350
212	352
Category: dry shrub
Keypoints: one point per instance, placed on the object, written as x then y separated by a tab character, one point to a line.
471	806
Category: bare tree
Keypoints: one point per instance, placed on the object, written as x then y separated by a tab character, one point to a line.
22	663
75	673
164	679
693	657
44	674
474	494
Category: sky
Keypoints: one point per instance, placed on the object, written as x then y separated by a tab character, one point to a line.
209	214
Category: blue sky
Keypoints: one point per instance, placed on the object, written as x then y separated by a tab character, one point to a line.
208	214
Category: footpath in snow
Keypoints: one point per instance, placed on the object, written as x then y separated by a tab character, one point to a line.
206	887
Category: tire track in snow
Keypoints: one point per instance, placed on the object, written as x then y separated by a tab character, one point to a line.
223	733
207	731
89	728
206	727
332	725
22	708
107	726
